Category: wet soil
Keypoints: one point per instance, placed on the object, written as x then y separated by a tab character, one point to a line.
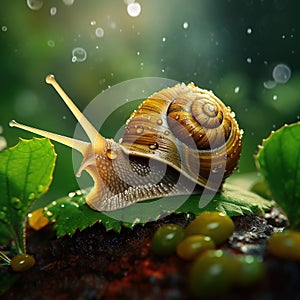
95	264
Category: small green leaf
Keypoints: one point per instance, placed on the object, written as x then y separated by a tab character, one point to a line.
279	161
233	201
72	213
25	174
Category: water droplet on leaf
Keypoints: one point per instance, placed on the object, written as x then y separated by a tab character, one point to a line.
16	202
31	196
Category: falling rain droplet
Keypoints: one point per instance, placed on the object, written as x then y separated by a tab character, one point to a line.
51	43
249	60
53	11
164	39
185	25
134	9
68	2
236	89
93	23
4	28
249	30
16	202
269	84
111	154
35	4
281	73
275	97
99	32
78	55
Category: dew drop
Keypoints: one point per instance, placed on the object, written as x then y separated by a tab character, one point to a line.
78	55
49	213
79	192
281	73
159	122
167	132
53	11
111	154
140	129
31	196
134	9
71	194
16	202
41	188
53	203
35	4
4	28
153	146
99	32
249	60
62	205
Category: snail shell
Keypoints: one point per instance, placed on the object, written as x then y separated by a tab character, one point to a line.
179	140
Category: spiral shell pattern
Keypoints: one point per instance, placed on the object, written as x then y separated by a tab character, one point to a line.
189	129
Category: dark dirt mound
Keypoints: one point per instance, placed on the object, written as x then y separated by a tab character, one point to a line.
95	264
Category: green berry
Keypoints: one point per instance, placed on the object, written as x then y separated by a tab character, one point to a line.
211	274
214	224
22	262
166	239
285	245
192	245
249	270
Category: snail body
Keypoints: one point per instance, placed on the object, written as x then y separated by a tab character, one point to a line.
179	140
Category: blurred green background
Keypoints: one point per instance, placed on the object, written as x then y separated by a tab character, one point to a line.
231	47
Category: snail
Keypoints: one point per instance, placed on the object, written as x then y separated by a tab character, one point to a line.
180	140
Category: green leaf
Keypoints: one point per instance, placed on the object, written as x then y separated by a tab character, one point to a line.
233	200
279	161
25	174
72	213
